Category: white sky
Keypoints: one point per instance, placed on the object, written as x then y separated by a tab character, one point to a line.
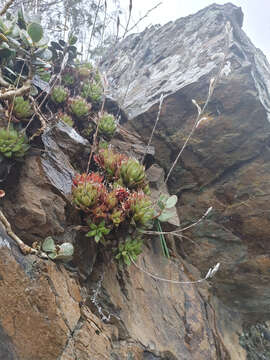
256	15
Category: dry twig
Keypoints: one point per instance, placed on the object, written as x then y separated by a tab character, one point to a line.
25	249
5	8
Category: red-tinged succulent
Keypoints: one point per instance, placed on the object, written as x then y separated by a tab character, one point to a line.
83	178
110	162
87	190
122	194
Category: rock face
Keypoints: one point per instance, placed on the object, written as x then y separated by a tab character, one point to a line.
93	309
226	164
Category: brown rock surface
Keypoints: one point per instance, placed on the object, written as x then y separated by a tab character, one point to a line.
44	317
226	162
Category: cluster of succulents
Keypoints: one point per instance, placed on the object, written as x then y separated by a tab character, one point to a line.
59	94
79	107
12	144
92	91
22	108
107	126
113	205
110	162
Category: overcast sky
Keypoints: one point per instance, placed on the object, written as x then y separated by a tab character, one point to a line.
256	15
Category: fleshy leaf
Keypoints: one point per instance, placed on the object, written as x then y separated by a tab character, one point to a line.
48	244
35	31
165	216
171	202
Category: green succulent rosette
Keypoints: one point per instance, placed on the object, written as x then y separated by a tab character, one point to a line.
92	91
107	126
79	107
59	94
22	108
132	173
12	144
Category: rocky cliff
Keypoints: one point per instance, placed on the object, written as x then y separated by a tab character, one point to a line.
91	308
226	162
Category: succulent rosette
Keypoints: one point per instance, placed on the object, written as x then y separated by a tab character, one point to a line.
22	108
79	107
59	94
13	144
107	126
132	173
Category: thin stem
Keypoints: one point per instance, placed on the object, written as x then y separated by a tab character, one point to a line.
5	8
166	280
129	17
154	128
143	17
25	249
212	86
93	29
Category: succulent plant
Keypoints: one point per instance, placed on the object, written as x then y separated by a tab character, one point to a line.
92	91
107	126
141	209
110	162
22	108
79	107
12	144
59	94
87	190
66	119
117	216
57	252
132	173
129	250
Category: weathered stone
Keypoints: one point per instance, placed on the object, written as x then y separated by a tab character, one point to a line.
38	211
226	162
